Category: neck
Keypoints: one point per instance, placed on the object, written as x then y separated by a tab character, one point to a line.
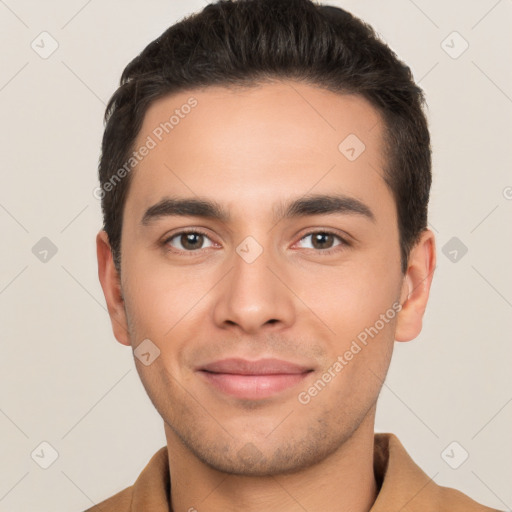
342	481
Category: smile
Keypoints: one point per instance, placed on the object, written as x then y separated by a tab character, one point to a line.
253	380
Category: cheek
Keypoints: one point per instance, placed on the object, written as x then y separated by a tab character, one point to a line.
160	294
349	298
166	305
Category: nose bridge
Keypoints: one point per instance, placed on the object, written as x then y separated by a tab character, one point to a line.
252	296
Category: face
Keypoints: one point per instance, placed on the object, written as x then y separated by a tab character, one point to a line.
260	257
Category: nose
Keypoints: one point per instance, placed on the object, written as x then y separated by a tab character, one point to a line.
254	295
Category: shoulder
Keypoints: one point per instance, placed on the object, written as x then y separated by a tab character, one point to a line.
120	502
151	490
404	484
452	500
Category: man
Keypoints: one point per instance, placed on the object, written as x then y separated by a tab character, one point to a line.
265	177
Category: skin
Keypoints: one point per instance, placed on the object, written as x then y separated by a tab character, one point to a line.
249	150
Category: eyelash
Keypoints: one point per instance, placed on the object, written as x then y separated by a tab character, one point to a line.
343	242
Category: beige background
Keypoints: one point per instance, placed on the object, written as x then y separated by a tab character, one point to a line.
66	381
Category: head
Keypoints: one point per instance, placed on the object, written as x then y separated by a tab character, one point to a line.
239	143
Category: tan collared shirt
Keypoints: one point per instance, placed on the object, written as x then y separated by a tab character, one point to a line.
403	486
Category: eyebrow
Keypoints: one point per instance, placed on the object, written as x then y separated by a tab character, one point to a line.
313	204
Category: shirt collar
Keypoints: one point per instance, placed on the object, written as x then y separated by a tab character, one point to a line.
401	482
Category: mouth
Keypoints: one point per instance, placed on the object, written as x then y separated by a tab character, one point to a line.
253	380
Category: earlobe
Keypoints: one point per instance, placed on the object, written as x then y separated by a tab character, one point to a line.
416	287
111	285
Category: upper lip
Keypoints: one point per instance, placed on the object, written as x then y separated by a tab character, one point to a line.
268	366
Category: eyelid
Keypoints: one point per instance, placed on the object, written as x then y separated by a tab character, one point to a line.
343	238
184	231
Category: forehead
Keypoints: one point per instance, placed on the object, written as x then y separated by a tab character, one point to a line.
252	146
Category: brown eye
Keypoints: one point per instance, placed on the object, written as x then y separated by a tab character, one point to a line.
324	241
187	241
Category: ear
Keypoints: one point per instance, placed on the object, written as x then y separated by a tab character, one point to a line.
111	284
416	287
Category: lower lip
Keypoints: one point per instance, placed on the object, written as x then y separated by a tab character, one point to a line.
253	387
